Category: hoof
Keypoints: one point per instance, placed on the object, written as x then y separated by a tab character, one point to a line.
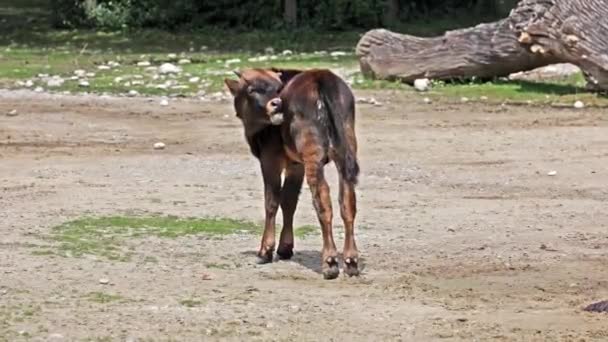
264	257
330	268
285	253
351	267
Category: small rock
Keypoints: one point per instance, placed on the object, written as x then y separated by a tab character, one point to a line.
80	73
464	99
233	61
84	84
422	84
55	82
427	100
184	61
29	83
118	79
172	56
269	50
287	53
164	102
22	332
258	59
552	173
90	74
133	93
143	64
39	89
338	54
55	337
168	68
151	69
579	105
483	98
113	64
104	67
194	79
12	113
104	281
138	82
159	146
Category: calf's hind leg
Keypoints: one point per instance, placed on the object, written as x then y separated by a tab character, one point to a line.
348	210
322	203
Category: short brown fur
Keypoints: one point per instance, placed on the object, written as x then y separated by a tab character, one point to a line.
318	127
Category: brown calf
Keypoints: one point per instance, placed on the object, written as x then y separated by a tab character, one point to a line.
316	127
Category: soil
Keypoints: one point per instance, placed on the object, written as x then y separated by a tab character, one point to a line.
465	232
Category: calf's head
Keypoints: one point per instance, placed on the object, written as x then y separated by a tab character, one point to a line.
256	97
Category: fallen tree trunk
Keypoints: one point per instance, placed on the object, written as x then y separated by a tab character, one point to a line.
575	31
537	33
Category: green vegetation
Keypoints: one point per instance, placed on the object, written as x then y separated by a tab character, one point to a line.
103	298
105	236
304	231
30	55
191	303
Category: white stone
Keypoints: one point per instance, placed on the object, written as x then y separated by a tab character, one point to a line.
164	102
55	82
80	73
168	68
159	146
579	105
194	79
233	61
422	84
184	61
143	64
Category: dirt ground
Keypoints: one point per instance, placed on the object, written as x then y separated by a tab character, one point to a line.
464	235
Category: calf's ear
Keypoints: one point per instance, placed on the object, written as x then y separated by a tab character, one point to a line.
286	74
233	86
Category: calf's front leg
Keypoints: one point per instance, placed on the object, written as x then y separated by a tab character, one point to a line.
272	166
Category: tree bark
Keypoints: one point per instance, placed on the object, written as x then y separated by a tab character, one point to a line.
291	12
537	33
575	31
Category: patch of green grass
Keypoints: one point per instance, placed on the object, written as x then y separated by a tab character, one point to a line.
217	265
105	236
191	303
304	231
103	298
564	90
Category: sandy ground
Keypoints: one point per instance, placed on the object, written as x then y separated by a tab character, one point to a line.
464	235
